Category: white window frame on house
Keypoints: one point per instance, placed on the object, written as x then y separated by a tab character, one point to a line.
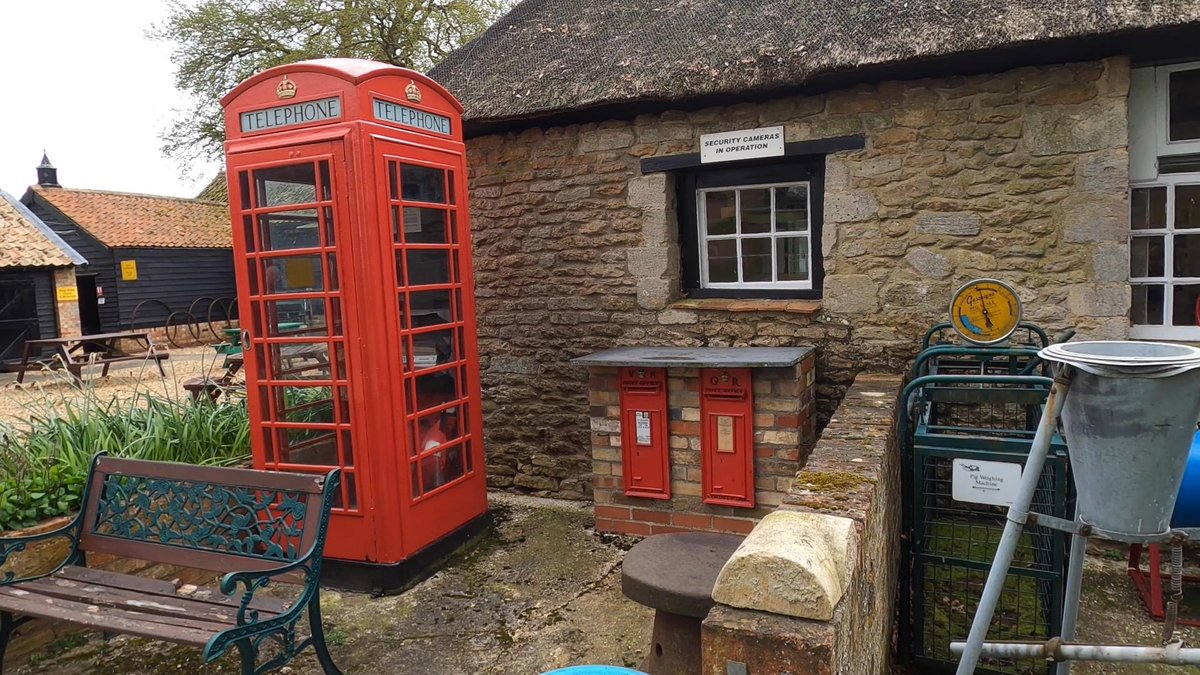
738	236
1165	331
1149	147
1162	105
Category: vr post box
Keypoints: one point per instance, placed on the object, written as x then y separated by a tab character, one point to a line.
348	196
645	450
727	436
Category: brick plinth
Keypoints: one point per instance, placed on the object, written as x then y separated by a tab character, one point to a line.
784	432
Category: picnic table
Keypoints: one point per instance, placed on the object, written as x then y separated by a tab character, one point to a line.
73	353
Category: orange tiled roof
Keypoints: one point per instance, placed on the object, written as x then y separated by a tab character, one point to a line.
23	244
127	219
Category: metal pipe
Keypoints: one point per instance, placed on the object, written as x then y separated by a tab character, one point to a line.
1174	653
1018	513
1073	591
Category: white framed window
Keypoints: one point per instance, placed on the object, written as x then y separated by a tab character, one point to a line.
1164	257
1177	107
755	236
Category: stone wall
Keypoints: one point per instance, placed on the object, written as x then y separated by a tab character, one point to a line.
1020	175
784	432
853	472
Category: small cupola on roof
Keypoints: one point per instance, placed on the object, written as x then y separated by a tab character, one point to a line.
47	175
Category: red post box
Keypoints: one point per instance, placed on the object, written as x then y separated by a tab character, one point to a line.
727	436
645	453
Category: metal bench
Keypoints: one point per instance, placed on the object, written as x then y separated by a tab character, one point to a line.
675	574
257	527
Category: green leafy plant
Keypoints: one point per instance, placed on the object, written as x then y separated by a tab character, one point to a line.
44	461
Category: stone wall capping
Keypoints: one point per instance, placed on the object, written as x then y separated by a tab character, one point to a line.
793	563
758	305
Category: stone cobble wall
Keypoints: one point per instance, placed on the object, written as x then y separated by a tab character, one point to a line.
67	312
853	472
1020	175
784	431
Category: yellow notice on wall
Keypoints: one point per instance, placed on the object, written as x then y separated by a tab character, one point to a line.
128	270
67	293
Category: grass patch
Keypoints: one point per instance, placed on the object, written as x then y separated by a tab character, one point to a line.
44	460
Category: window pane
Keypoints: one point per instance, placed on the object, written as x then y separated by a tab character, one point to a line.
791	209
289	229
1187	207
792	258
1149	208
294	274
1186	258
1184	305
430	308
756	211
722	261
426	267
1184	112
720	213
1147	307
296	184
424	226
756	259
1145	257
422	184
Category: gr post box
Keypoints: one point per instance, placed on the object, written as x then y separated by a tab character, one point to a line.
727	436
645	451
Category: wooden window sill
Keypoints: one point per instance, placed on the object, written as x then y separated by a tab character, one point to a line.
739	305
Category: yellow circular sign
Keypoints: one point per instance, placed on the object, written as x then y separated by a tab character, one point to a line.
985	311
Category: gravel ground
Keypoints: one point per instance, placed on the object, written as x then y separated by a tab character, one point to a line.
126	380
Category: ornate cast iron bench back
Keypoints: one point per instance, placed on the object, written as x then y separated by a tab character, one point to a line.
257	527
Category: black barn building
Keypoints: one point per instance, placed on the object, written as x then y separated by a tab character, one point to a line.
148	257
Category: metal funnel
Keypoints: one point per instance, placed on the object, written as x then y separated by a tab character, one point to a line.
1129	418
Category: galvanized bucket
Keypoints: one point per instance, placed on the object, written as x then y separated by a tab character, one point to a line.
1129	418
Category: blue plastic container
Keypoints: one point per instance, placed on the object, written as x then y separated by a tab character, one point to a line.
594	670
1187	506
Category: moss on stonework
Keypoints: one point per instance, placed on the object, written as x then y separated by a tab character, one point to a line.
830	481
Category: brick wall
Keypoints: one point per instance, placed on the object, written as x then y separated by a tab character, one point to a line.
1021	174
784	431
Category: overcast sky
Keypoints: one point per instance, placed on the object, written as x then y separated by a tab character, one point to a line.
80	79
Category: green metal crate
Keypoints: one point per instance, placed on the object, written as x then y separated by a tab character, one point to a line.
950	544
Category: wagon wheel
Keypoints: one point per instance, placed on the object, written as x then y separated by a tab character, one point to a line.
138	309
227	307
177	320
191	310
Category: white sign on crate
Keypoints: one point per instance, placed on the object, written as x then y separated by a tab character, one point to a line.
744	144
981	482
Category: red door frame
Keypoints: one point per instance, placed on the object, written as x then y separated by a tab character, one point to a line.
354	529
430	516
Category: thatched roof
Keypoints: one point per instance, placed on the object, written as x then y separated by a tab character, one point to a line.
550	56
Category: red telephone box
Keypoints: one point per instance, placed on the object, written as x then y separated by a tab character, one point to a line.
347	190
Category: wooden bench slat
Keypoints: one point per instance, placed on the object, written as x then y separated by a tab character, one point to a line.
132	600
111	619
161	587
89	575
188	621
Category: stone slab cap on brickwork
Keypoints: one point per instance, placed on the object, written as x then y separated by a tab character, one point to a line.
697	357
793	563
